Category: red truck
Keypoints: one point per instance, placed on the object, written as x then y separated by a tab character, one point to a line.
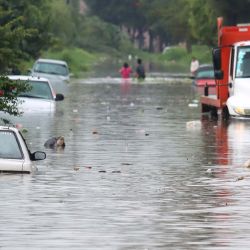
231	61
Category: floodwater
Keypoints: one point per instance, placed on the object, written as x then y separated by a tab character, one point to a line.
142	169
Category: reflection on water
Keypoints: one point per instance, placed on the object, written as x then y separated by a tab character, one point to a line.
141	170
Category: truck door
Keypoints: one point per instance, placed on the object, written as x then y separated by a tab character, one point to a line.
241	85
231	73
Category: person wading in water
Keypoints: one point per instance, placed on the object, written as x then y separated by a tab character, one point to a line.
125	71
140	71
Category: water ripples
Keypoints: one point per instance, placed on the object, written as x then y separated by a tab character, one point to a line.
133	175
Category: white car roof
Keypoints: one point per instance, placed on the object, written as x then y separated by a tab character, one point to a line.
8	128
52	61
27	78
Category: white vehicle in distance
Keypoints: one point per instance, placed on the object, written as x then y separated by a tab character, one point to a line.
54	70
15	156
40	98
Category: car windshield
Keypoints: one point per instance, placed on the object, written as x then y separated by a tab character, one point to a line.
51	68
39	89
243	62
206	73
9	146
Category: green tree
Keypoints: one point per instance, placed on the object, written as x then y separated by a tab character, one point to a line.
128	13
9	91
22	30
63	20
203	26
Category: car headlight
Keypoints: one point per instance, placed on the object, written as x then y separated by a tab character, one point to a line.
239	110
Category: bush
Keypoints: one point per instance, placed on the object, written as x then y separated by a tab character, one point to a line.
178	59
175	53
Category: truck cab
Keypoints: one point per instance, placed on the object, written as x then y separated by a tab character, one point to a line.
238	102
231	61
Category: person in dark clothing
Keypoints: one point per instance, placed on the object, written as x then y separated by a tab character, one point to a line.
140	71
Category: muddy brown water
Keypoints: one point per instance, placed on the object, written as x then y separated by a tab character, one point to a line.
142	169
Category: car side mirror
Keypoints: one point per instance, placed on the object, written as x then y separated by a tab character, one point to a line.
59	97
38	156
216	55
218	74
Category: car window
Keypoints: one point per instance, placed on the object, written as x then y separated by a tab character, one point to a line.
9	146
39	90
51	68
205	73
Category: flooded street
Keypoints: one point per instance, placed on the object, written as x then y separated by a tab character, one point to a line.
141	170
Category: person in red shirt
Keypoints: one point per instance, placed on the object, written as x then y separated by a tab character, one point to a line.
126	71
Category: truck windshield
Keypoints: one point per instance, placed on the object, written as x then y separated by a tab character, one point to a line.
243	62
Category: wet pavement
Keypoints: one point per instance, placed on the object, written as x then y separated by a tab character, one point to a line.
142	169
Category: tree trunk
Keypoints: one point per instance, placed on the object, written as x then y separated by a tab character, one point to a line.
189	45
140	38
151	41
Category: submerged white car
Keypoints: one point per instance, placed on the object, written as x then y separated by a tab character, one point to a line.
41	97
15	156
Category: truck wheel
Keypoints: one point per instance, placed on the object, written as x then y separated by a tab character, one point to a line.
214	113
205	108
225	113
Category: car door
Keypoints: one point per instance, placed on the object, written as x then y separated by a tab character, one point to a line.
11	155
10	165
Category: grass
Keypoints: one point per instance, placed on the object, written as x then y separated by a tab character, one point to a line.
79	60
178	59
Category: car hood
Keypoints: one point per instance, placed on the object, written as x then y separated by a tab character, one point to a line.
51	77
29	105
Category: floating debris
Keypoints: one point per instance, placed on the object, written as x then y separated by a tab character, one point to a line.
193	124
126	164
24	130
193	105
88	167
116	172
159	108
19	125
102	171
209	171
95	132
240	178
247	164
76	168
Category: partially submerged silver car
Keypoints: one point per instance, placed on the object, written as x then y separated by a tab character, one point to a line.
15	156
54	70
